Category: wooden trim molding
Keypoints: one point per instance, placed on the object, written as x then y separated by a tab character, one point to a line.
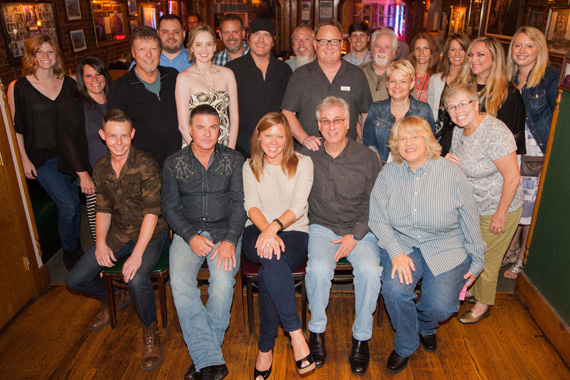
545	316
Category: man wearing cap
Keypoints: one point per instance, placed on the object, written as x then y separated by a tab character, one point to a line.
261	80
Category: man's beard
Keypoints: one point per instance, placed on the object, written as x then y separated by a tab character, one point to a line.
303	60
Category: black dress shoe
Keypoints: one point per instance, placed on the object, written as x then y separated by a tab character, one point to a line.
317	347
396	363
359	357
191	373
214	372
428	342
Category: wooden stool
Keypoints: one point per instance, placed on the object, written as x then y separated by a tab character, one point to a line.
343	273
114	277
249	273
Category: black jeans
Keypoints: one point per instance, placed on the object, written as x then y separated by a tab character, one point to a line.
276	285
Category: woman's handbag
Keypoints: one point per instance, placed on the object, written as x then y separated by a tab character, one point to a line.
531	166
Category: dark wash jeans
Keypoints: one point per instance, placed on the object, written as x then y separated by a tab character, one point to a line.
85	277
276	285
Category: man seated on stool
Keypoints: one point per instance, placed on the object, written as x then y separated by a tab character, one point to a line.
345	172
202	201
128	221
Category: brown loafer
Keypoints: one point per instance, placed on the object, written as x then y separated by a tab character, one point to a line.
152	353
469	318
101	319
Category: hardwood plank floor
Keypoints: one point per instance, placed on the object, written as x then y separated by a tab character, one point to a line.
49	340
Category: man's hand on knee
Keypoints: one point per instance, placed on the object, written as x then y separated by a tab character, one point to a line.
226	253
131	267
104	255
201	245
347	244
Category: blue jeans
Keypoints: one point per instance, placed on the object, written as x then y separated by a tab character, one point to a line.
367	272
276	285
203	327
65	195
84	277
439	300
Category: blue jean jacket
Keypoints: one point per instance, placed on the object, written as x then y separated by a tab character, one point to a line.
378	124
539	102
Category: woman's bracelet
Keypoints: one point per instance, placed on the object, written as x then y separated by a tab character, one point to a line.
280	224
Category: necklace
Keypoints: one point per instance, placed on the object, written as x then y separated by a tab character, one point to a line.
213	85
418	80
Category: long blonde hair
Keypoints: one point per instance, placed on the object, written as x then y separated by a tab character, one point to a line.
497	86
30	62
194	33
290	159
537	72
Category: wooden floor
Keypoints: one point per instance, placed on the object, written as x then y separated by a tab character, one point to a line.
49	340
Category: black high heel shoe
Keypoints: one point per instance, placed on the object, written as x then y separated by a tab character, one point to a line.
308	368
264	374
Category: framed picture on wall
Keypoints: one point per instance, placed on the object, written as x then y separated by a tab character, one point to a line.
536	17
132	6
503	17
558	31
564	82
20	21
78	40
109	22
149	16
133	24
73	9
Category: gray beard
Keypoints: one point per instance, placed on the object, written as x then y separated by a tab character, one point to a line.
303	60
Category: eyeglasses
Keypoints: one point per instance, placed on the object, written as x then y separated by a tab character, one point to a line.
326	42
336	122
460	106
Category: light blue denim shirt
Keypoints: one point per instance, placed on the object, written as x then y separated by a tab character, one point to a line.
378	124
180	62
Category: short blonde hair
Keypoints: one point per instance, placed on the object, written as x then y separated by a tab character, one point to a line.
456	89
418	125
403	66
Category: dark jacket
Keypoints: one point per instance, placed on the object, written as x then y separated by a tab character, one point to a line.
378	124
154	117
539	102
197	199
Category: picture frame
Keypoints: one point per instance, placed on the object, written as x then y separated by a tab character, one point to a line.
133	25
564	82
73	10
149	16
500	15
21	20
77	38
557	31
109	21
536	18
132	7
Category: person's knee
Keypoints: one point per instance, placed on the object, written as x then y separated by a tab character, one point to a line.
139	282
71	281
319	270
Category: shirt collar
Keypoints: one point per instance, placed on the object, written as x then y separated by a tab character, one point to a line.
421	170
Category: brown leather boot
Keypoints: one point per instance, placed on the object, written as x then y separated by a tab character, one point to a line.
152	353
101	319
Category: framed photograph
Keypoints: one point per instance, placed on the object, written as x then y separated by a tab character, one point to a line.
536	17
564	82
133	24
78	40
73	9
558	31
132	6
149	16
20	21
503	18
109	22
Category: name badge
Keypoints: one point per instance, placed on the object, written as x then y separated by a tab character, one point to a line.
345	88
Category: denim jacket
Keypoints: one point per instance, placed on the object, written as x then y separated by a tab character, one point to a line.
197	199
378	124
539	102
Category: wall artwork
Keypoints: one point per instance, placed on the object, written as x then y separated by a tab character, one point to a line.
78	40
503	18
558	31
73	10
20	21
109	22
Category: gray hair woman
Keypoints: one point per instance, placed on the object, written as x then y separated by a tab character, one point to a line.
423	212
485	150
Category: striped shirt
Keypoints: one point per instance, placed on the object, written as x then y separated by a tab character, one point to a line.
223	57
432	209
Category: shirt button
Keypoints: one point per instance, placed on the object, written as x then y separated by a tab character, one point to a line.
416	193
418	178
415	210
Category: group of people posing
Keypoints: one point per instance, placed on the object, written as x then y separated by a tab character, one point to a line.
406	169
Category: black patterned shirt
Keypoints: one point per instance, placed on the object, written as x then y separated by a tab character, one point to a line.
196	199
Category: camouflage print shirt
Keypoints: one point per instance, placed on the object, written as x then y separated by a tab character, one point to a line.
130	197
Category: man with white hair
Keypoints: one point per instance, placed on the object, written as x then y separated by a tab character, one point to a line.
384	45
303	47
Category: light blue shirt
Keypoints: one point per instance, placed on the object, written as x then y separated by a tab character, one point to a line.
350	57
180	62
432	209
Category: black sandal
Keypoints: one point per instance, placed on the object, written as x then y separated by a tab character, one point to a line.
308	368
264	374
